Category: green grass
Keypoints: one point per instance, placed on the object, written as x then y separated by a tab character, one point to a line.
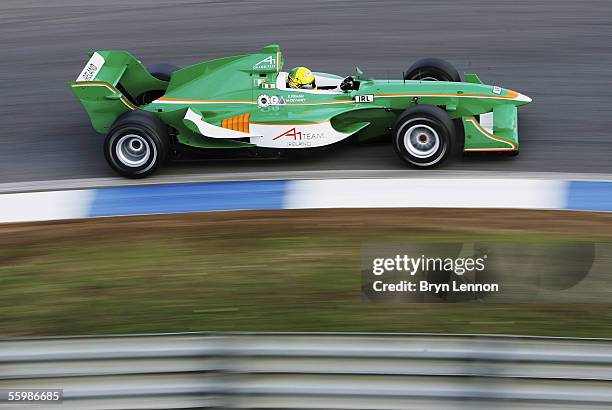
299	280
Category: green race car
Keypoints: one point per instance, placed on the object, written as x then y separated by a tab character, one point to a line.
245	102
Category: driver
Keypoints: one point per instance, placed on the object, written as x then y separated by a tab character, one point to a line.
302	78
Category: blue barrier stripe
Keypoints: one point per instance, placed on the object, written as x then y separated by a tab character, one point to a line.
218	196
259	195
589	196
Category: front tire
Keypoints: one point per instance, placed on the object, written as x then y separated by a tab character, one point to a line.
423	136
137	144
432	69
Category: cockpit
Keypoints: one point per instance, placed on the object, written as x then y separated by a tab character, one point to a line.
325	83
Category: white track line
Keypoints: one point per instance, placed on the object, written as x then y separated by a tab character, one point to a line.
71	184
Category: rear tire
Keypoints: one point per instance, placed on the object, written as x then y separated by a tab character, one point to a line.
423	136
162	71
432	69
137	144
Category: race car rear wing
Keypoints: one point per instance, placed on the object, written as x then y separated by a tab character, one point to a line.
110	84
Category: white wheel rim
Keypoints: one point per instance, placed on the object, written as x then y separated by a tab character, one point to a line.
421	141
133	150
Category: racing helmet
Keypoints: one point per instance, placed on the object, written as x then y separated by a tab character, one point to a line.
301	77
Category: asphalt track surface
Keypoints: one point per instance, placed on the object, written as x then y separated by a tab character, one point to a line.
557	52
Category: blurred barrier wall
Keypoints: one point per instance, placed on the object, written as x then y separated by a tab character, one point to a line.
313	371
306	194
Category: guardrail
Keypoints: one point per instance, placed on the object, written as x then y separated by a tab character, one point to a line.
426	191
313	371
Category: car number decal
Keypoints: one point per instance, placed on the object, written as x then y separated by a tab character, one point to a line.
92	68
364	98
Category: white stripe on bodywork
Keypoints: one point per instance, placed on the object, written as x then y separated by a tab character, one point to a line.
212	131
295	135
273	135
426	193
45	206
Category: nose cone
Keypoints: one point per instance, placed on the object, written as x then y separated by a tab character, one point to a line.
523	98
520	99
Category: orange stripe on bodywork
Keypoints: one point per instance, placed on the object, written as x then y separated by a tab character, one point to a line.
323	102
510	96
186	101
110	88
170	99
487	149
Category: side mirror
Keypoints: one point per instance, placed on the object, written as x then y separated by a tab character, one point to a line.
358	73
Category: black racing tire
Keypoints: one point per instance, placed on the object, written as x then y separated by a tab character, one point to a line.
137	144
162	71
423	136
432	69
